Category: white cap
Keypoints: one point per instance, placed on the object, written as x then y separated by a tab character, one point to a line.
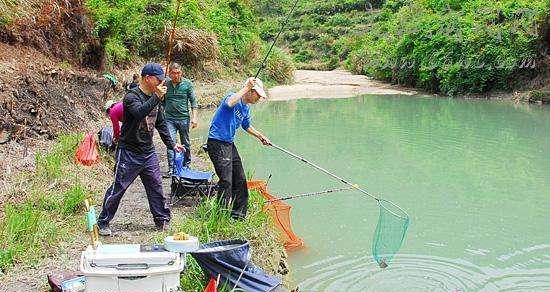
109	104
259	87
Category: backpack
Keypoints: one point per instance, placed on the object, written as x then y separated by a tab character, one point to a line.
105	138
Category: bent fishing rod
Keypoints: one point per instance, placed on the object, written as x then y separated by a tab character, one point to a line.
283	24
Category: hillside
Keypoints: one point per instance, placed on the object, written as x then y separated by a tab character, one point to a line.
453	47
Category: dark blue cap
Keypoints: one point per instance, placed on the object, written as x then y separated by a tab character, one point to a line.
153	69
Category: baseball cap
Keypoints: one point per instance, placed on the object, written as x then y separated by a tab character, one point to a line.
153	69
259	87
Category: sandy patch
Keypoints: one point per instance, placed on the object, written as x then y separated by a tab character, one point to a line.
332	84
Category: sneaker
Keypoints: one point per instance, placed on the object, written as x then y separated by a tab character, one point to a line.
105	231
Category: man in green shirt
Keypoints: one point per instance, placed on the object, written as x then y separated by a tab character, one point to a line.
179	97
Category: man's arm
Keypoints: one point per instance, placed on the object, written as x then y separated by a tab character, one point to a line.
194	118
194	105
252	131
116	128
233	100
134	107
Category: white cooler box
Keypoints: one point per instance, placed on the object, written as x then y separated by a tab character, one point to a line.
131	268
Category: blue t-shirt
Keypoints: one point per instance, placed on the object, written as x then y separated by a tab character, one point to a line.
227	120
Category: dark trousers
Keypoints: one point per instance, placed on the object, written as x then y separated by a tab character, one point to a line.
128	166
232	187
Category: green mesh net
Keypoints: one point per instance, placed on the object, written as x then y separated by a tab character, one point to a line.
390	232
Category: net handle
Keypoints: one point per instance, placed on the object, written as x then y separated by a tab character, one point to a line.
325	171
354	186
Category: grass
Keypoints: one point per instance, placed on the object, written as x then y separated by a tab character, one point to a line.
212	221
48	214
48	209
320	34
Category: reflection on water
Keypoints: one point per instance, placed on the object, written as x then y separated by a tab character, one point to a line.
473	176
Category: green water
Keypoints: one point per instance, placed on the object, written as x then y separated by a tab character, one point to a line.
474	177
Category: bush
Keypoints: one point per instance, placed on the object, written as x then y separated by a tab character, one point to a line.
451	46
133	28
280	67
315	26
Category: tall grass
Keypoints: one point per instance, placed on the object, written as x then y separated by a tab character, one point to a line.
50	165
52	202
212	221
25	233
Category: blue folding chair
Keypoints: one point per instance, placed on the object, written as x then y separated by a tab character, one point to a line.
188	182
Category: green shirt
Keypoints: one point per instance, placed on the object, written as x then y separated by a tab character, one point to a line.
177	100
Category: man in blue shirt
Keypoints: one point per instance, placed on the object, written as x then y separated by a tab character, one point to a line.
232	113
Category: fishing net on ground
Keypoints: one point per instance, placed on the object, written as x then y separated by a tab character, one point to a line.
279	212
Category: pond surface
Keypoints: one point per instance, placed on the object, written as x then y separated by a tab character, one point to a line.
474	176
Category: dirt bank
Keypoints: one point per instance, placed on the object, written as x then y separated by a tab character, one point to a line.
332	84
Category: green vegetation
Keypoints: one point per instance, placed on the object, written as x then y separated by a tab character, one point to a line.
210	221
48	207
448	46
452	46
319	33
136	28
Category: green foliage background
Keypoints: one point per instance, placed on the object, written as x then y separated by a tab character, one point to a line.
447	46
453	46
130	28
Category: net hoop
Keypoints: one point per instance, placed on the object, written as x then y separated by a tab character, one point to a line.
403	214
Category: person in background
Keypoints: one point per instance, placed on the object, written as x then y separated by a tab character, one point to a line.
232	113
179	98
135	155
115	111
134	83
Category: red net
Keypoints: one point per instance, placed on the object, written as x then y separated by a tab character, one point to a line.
87	152
280	214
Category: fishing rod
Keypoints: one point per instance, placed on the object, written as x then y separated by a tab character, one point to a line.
171	38
309	194
283	24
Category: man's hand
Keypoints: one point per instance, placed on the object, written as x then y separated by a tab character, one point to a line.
179	148
264	140
160	90
250	83
194	123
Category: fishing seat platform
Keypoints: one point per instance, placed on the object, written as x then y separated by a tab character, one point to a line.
187	182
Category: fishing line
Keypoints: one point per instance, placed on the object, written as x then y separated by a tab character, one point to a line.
171	39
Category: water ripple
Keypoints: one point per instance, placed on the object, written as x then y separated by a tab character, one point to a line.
422	273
